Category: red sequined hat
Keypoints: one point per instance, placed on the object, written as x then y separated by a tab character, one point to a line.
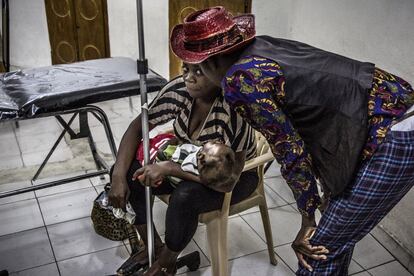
211	31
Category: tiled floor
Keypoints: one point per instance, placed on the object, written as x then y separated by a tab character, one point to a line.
49	232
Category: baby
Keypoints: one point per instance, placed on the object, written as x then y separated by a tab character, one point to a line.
213	162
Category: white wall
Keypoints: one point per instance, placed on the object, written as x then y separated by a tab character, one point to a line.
380	31
122	21
29	38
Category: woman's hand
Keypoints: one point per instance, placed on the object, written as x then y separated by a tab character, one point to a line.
302	246
119	193
151	175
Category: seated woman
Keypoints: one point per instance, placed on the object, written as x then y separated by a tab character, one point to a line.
199	115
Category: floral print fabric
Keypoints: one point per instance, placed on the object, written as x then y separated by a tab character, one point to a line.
254	87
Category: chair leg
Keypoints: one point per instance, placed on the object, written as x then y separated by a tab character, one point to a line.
217	241
268	232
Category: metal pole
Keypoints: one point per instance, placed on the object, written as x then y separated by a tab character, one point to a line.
142	68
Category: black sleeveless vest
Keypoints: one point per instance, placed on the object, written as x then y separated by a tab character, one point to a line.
327	103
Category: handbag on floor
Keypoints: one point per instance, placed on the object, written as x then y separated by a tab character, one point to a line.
107	225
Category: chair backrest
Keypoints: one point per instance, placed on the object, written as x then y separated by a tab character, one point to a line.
264	155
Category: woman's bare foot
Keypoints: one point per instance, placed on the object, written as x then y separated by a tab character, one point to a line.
165	265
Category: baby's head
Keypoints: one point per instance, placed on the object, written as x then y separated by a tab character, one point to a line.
215	162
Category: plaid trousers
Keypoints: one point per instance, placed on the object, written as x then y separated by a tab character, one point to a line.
379	185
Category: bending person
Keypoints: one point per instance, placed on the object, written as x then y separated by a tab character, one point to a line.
325	117
199	115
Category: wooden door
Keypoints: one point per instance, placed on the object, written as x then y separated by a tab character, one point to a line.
78	30
179	9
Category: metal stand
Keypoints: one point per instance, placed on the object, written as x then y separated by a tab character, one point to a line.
5	34
101	165
142	70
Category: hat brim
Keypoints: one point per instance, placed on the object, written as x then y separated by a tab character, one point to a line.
245	22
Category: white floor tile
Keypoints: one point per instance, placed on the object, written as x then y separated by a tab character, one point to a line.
19	216
103	148
9	147
354	268
77	237
6	130
364	273
206	271
369	253
25	250
392	268
99	134
97	181
285	223
393	247
119	129
14	186
72	186
99	188
191	247
44	270
39	142
158	212
279	185
241	239
288	255
67	206
36	158
272	199
274	170
11	162
258	264
100	263
36	126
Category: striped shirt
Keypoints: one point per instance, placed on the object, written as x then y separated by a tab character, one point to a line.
173	102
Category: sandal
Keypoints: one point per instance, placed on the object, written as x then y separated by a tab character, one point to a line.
134	263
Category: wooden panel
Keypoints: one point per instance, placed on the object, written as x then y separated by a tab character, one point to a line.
179	9
91	29
62	31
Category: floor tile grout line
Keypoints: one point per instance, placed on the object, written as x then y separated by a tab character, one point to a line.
265	250
269	208
88	253
45	225
21	231
37	266
266	243
395	259
47	233
11	202
384	264
204	253
58	193
18	145
43	196
283	198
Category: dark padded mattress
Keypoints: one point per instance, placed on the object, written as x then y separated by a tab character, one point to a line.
33	92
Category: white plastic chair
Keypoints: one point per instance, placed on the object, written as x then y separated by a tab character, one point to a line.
216	221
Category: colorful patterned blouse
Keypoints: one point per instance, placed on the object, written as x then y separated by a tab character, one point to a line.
261	84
